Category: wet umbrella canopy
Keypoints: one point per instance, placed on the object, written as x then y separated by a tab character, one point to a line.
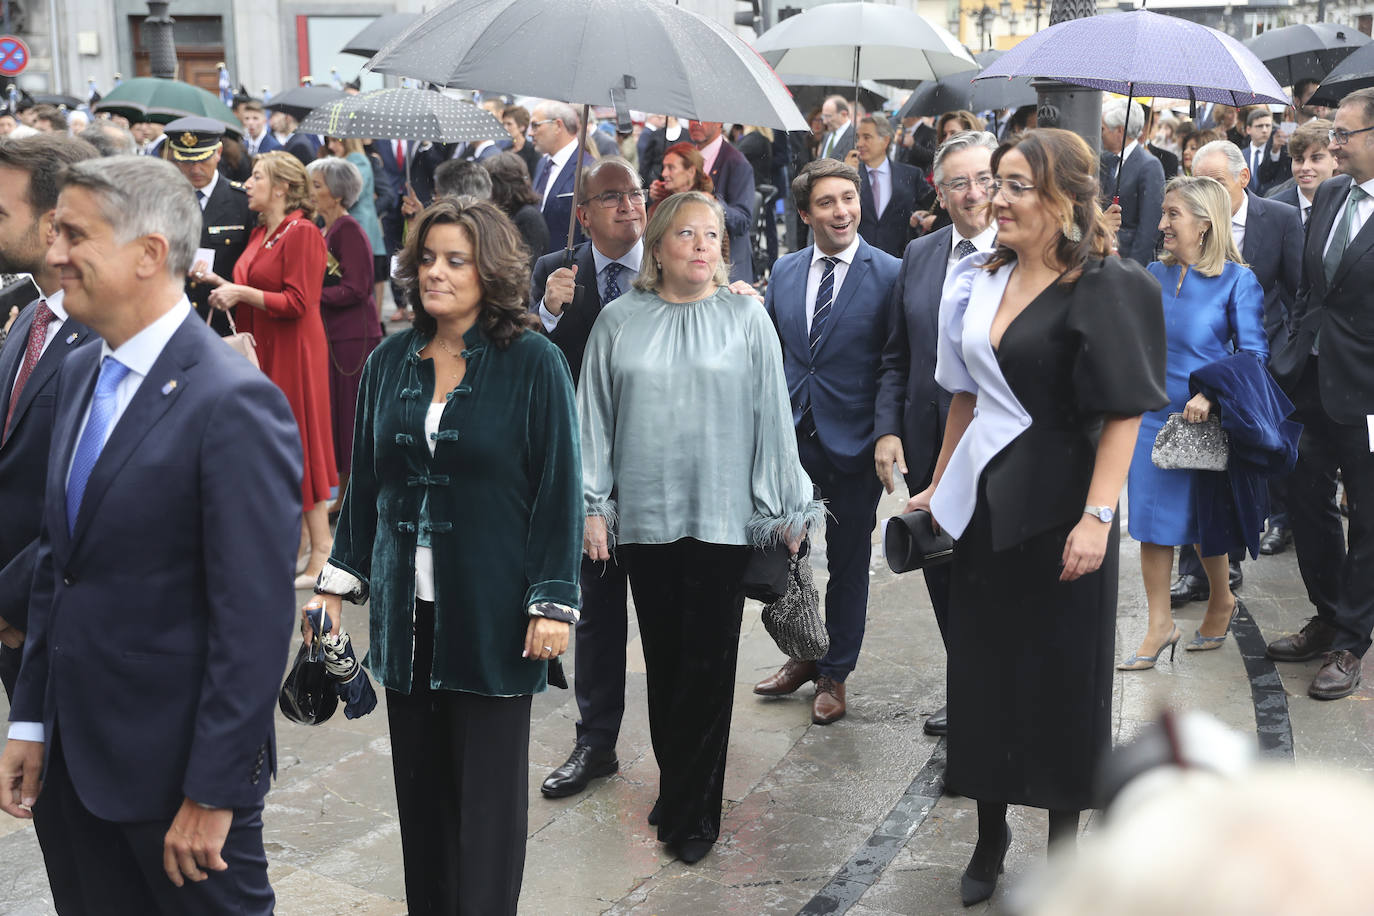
403	114
302	100
378	32
1307	51
150	98
1355	72
960	91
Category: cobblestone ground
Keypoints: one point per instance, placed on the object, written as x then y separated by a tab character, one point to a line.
833	813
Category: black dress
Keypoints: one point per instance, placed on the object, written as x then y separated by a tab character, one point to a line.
1031	658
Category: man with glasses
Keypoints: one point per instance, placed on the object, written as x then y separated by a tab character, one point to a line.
1131	174
554	129
1327	367
911	408
568	301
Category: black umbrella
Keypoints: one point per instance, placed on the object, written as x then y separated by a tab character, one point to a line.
302	100
57	99
1355	72
958	91
377	33
1307	51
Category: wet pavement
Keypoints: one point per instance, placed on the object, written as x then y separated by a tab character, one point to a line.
843	818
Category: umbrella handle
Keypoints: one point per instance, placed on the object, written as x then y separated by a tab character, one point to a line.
577	287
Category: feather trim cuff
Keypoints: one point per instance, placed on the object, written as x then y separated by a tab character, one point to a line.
335	581
606	509
765	532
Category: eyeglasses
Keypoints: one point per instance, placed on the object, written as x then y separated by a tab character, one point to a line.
611	200
1014	189
961	185
1339	137
535	125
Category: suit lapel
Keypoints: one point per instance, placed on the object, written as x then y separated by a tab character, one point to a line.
792	300
155	395
12	356
70	411
1319	230
586	266
72	334
868	203
938	268
853	279
1359	245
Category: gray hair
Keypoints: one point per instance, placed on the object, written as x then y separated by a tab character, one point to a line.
1114	116
965	139
1235	159
560	111
340	176
650	274
109	138
143	195
462	178
881	126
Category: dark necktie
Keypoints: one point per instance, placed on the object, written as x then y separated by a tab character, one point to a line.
200	198
612	285
92	441
541	181
38	334
1341	239
964	249
825	297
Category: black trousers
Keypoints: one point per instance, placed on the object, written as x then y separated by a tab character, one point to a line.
102	868
599	662
689	603
1340	582
852	501
461	762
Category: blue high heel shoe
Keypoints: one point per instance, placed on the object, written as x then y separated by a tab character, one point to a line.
1200	643
1146	662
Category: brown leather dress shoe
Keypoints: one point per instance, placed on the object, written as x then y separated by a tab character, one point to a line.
788	679
1312	640
828	704
1338	677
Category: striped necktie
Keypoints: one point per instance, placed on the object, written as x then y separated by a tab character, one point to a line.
825	297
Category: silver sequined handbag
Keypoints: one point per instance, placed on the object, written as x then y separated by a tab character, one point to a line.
794	620
1184	446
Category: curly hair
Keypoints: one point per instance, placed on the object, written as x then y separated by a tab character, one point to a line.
1064	172
282	168
510	182
499	255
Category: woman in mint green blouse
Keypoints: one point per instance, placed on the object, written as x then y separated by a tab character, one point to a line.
689	460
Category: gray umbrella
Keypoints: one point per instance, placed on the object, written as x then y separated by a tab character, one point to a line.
378	32
302	100
403	114
641	54
960	91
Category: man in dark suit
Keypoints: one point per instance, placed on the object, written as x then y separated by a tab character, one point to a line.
1327	367
195	145
568	300
1268	162
1131	174
829	302
554	127
733	177
911	409
888	191
150	676
257	139
40	339
839	122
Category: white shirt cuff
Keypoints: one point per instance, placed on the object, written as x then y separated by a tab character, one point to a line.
549	318
26	731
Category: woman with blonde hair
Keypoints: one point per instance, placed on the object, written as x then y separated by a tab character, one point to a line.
1213	305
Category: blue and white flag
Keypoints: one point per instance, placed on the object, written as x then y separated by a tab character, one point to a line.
226	87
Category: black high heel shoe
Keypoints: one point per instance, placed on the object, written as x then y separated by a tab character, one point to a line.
975	889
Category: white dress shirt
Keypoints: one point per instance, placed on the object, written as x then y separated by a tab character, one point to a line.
424	556
1238	222
207	190
1304	206
813	278
138	354
630	260
880	180
54	328
556	163
983	241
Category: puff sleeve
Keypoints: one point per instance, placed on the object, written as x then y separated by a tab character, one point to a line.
951	372
1117	314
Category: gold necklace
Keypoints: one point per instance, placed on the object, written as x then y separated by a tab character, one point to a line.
456	373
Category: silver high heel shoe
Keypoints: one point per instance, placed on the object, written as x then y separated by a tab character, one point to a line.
1200	643
1146	662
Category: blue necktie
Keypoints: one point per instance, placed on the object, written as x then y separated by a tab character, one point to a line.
541	180
112	372
613	270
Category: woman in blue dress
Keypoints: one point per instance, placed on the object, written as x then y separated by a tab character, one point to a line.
1213	306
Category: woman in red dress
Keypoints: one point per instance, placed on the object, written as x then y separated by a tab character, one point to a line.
276	297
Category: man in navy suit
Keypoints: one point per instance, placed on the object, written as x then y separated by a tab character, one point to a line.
1267	161
257	139
1130	173
733	177
911	409
150	675
829	303
888	190
554	128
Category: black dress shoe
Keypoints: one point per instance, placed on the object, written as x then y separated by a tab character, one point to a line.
655	814
1235	578
937	724
1315	638
1189	588
691	851
583	765
1275	540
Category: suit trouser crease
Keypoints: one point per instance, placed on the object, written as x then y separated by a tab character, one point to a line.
461	764
599	661
689	605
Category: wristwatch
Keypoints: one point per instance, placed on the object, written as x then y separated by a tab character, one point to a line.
1103	514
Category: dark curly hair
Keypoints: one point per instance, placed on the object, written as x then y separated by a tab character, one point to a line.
510	182
1064	171
502	262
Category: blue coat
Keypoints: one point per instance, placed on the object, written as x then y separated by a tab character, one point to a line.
159	628
1232	504
840	381
558	206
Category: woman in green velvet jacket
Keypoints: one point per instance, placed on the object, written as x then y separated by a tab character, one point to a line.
463	524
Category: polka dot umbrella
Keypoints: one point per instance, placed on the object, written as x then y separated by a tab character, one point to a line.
403	114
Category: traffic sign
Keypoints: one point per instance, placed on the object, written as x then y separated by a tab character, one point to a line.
14	55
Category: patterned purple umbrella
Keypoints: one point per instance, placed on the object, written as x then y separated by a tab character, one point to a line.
1144	54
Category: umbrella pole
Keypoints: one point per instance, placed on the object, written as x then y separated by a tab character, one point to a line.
858	51
1120	157
577	185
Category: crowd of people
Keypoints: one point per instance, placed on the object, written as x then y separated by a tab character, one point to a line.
1003	317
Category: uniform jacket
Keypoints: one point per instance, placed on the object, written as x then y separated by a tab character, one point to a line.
224	228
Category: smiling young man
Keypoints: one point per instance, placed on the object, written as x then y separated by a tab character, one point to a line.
830	304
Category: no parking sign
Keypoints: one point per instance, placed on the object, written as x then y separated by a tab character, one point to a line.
14	55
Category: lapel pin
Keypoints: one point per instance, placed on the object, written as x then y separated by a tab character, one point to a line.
169	387
71	337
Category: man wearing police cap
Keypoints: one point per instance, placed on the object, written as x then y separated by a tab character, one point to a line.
194	146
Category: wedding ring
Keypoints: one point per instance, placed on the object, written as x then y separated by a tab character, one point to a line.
548	648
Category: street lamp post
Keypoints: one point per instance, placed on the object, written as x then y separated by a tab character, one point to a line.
158	39
1073	108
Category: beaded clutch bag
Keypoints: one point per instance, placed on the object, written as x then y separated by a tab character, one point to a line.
1184	446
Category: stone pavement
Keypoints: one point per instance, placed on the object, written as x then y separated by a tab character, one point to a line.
805	803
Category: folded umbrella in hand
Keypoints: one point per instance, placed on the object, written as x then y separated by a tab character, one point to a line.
351	684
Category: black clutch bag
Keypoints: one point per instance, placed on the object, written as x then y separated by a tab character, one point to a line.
911	542
308	695
766	575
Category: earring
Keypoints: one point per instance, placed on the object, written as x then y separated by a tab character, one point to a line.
1073	233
